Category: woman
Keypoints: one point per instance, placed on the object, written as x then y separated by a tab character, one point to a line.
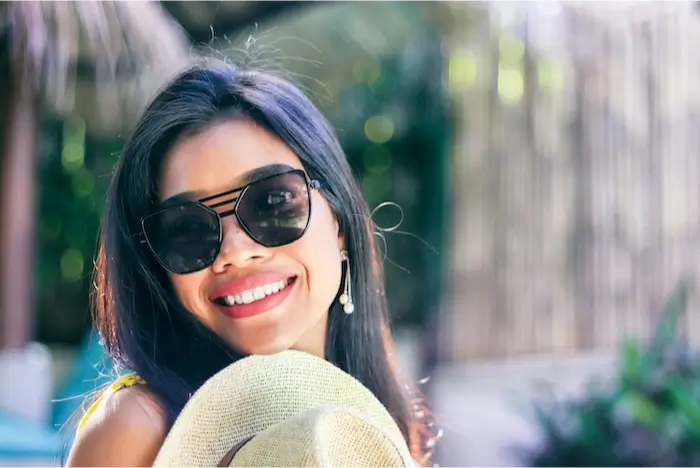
233	226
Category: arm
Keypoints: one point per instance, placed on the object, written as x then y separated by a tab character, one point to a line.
127	429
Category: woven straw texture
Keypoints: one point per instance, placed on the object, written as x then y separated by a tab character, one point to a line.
259	392
326	436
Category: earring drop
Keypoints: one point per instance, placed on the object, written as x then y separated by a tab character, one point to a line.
345	299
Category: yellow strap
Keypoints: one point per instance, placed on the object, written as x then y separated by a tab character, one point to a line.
125	381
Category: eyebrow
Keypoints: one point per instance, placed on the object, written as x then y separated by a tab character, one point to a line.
246	179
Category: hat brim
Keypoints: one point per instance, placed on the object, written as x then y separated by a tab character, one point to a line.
321	437
258	392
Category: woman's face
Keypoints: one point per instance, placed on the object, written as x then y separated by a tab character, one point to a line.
286	291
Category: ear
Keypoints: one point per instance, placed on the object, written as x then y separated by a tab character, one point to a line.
341	236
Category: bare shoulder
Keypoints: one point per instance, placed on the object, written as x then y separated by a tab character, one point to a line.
126	429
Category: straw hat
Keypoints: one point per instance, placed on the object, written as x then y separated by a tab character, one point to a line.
286	409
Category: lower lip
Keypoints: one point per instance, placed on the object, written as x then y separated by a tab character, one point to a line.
241	311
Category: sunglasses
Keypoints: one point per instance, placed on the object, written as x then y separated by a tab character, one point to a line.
274	211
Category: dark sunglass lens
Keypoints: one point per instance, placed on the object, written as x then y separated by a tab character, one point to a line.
275	211
184	238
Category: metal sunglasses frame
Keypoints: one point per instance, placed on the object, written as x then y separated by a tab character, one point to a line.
311	184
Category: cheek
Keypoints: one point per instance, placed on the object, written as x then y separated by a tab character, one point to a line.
188	289
319	252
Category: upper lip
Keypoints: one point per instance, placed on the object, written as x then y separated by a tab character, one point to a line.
238	285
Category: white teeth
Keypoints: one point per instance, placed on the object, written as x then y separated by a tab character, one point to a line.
247	297
252	295
259	292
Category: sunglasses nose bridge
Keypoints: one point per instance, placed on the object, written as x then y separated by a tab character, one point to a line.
226	209
227	213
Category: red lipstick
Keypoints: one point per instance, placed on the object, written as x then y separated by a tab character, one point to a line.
252	295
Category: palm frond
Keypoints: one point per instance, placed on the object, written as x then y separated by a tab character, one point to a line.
109	54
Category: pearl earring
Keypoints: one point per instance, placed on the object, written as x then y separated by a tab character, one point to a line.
346	298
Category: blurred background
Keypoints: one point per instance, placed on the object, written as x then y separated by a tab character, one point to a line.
544	156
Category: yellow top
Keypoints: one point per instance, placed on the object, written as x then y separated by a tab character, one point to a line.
125	381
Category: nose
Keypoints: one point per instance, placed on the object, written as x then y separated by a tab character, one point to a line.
238	250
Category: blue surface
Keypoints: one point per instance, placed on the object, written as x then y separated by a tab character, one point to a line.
92	370
20	438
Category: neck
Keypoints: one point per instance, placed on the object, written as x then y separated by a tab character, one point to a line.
314	340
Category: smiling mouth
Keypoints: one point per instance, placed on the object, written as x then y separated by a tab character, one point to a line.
255	294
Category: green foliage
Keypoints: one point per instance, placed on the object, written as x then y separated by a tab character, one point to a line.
73	177
393	121
649	416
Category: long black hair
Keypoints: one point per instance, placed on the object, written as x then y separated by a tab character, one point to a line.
144	327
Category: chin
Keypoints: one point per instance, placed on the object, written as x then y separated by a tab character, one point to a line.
277	346
273	340
270	347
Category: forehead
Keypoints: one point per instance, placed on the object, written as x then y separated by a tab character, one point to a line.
217	158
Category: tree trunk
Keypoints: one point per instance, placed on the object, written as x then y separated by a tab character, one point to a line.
17	210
